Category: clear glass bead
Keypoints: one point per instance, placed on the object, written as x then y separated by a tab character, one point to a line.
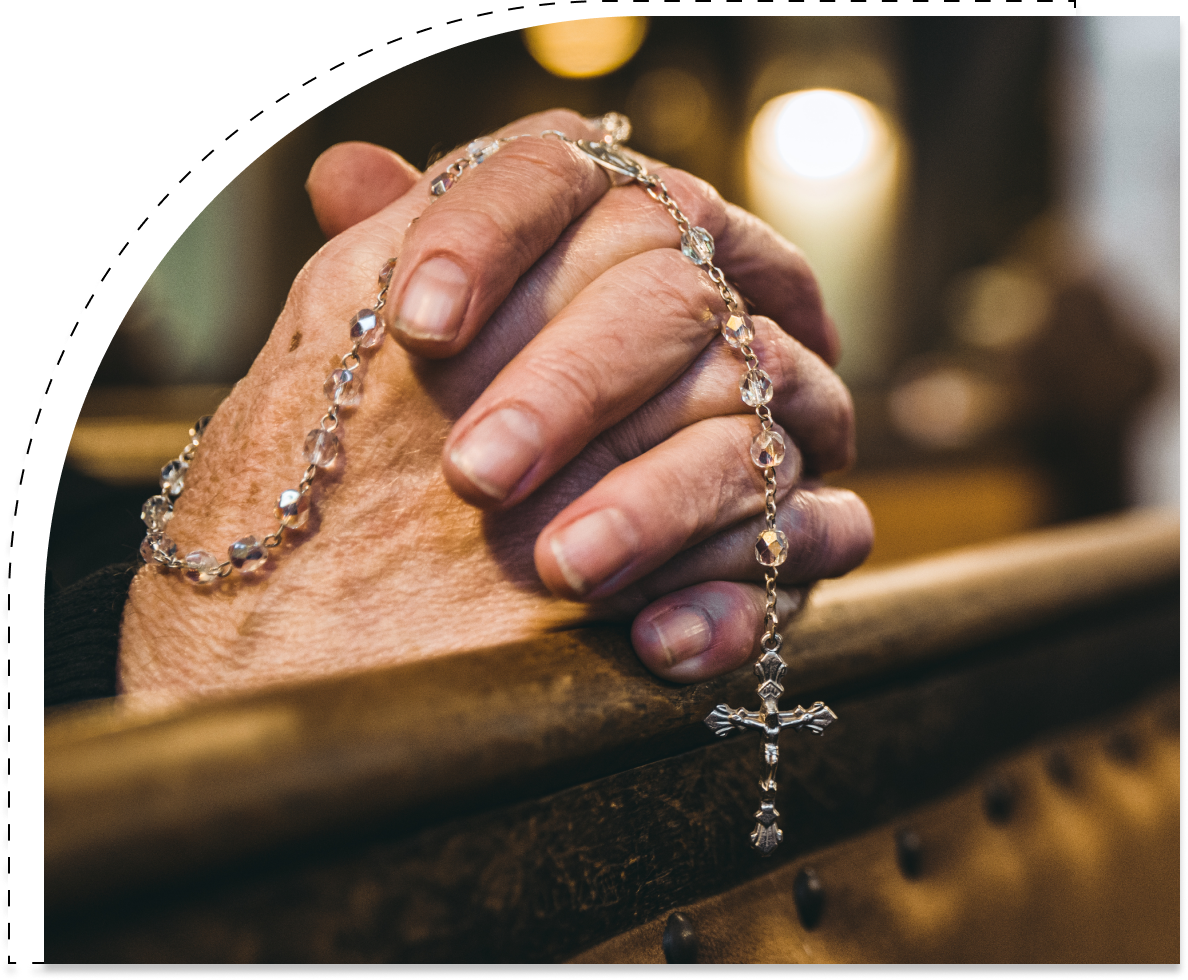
771	548
367	329
343	388
697	244
321	447
385	276
173	477
201	567
755	387
737	329
478	150
248	554
616	126
767	449
441	183
156	512
292	508
154	545
200	426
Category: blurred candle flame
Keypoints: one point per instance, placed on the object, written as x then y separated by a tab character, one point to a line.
824	167
821	133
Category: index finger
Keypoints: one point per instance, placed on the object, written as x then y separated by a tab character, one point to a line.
766	268
461	257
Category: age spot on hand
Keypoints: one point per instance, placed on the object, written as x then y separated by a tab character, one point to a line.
295	342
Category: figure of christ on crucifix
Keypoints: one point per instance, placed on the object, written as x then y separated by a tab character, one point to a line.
724	719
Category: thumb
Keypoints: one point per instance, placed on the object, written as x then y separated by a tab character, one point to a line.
706	630
352	181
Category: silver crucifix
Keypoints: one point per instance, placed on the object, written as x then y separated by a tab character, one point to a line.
770	721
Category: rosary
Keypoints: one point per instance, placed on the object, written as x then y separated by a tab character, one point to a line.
344	390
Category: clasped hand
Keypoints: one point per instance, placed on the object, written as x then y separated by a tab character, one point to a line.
555	438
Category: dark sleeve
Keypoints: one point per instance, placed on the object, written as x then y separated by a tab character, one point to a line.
82	635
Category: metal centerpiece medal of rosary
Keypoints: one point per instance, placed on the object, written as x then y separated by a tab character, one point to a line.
343	388
767	452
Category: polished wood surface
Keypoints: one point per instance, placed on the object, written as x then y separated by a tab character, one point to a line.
135	799
545	876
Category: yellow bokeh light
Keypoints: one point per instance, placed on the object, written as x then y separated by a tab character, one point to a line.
819	134
586	48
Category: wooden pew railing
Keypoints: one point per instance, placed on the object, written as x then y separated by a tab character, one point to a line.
132	801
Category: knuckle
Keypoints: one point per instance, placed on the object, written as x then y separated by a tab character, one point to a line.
546	171
735	469
853	529
726	482
779	355
574	378
807	388
632	436
789	471
807	532
547	168
672	284
464	233
566	120
830	532
537	157
834	435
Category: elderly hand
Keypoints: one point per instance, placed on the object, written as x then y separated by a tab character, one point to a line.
558	353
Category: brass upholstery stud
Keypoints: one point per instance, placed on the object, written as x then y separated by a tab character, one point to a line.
1060	768
998	799
909	853
1122	747
808	892
680	939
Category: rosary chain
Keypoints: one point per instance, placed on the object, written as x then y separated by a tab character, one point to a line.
656	189
767	452
344	388
476	152
249	553
321	445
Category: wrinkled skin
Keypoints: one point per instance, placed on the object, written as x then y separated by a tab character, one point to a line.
551	434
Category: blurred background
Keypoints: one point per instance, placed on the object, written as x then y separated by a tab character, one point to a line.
991	204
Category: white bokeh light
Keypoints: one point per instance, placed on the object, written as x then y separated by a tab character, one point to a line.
822	133
826	168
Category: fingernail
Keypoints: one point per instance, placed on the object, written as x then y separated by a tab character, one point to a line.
683	633
434	301
498	451
594	548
